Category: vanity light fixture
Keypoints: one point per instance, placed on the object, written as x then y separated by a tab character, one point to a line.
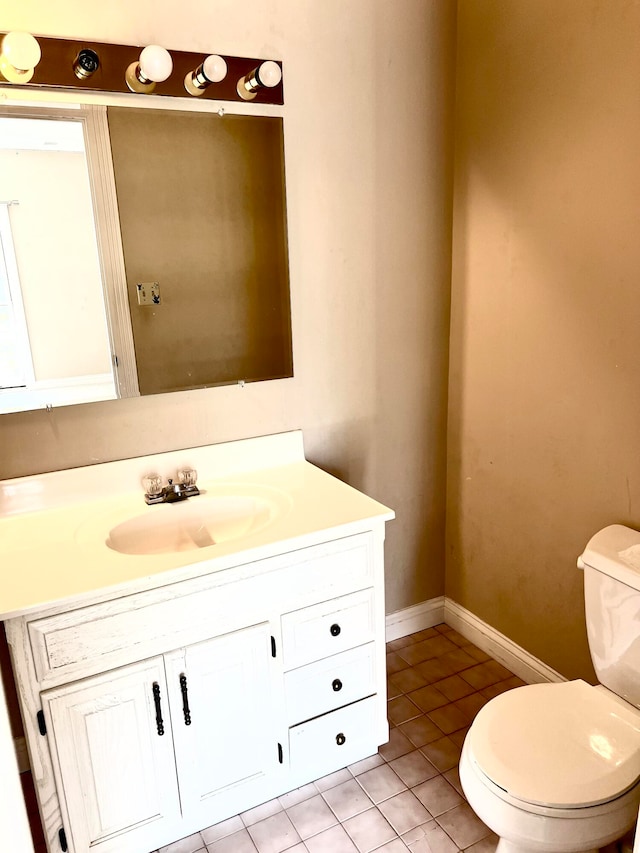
212	70
19	56
267	75
86	63
154	66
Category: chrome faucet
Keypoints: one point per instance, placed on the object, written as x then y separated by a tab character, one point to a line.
156	493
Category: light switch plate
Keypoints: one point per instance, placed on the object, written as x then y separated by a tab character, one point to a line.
148	293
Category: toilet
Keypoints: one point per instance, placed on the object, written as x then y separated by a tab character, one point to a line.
555	768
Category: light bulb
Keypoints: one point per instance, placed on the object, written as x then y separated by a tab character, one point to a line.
20	55
155	63
154	66
212	70
267	75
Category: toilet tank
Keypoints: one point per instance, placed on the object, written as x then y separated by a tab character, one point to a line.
611	563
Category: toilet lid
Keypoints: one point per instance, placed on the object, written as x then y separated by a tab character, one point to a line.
563	745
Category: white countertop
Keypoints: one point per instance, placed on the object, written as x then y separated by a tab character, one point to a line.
54	527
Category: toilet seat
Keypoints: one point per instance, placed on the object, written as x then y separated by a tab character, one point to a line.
557	746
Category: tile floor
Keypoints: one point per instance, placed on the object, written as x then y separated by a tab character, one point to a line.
405	798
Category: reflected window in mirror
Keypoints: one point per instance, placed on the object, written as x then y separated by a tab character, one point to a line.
55	348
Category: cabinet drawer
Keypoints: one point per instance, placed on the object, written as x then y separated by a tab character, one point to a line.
330	683
324	629
334	740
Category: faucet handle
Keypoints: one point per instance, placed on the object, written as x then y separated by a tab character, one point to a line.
152	484
187	476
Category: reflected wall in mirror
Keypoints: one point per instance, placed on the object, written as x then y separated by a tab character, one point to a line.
201	234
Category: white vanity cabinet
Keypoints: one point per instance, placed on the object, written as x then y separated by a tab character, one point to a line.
165	691
171	709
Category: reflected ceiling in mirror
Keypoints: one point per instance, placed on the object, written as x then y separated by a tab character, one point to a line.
181	281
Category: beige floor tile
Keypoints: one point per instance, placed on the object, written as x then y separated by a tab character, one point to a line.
312	816
401	709
443	753
369	830
457	638
463	826
366	764
431	648
413	768
454	687
239	842
477	653
427	698
332	780
274	834
334	840
470	705
407	680
347	800
401	642
381	783
404	812
481	675
260	812
398	744
395	846
222	829
448	719
437	795
436	669
298	795
395	663
453	778
426	634
429	838
458	660
186	845
392	691
487	845
459	736
420	731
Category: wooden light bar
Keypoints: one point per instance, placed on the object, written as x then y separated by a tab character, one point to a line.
56	70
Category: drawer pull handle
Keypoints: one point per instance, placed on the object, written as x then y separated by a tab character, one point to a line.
156	701
336	684
340	739
335	629
185	700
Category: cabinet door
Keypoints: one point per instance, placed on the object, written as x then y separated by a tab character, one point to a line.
115	763
226	745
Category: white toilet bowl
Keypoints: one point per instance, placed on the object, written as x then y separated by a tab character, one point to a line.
554	768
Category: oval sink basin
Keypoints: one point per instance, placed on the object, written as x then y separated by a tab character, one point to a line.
198	522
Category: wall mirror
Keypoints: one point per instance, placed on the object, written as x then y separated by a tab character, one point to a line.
144	250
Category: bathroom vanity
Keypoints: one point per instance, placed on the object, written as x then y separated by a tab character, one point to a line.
178	664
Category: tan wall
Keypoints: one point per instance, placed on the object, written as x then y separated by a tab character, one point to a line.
367	138
544	445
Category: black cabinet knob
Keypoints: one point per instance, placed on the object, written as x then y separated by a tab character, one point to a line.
336	684
335	629
340	739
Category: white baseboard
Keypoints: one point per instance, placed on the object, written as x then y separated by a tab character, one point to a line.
416	618
501	648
